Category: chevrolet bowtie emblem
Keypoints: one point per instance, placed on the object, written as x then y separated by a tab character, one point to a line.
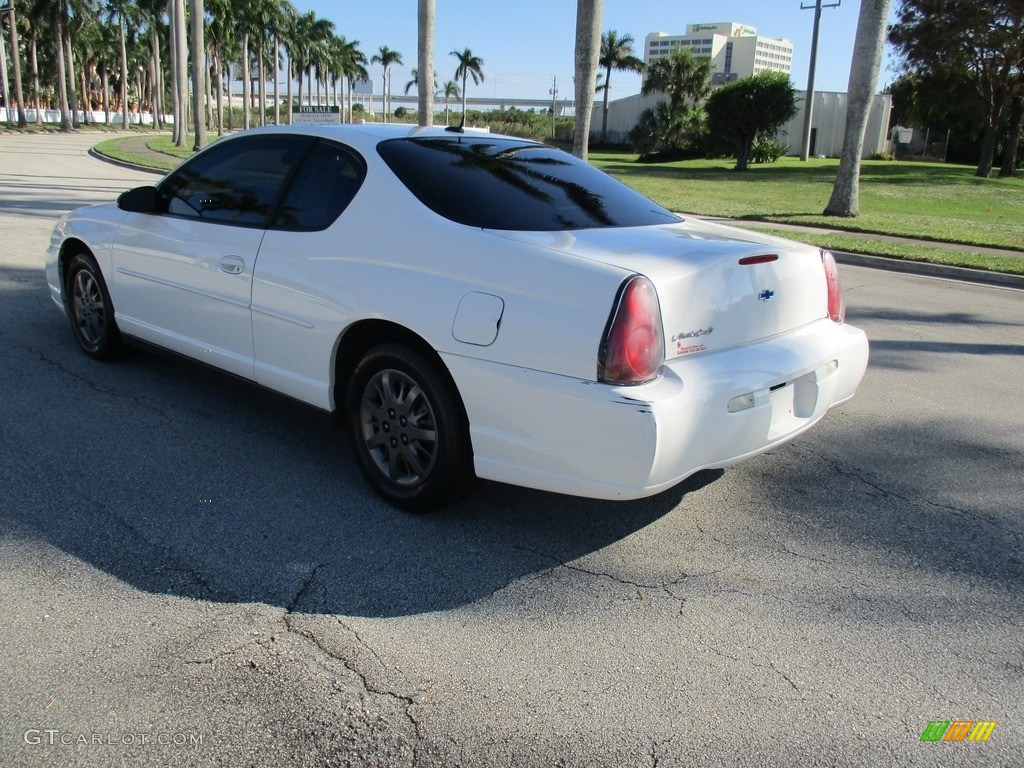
765	295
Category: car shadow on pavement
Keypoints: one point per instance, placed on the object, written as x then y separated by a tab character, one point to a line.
179	480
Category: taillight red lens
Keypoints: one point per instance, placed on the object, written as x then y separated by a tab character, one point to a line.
836	305
633	348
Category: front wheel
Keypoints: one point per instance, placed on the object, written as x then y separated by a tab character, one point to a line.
408	429
90	309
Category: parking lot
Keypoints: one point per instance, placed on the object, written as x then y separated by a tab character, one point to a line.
194	573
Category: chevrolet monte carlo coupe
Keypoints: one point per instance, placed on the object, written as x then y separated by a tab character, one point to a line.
472	305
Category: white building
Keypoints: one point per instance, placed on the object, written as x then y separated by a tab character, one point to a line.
735	49
828	122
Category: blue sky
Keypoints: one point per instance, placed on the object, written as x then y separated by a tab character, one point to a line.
525	43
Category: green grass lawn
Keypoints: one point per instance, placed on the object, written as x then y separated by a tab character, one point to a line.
932	201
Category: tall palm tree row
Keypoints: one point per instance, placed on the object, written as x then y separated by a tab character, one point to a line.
85	56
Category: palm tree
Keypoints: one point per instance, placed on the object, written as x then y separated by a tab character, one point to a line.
588	51
352	63
414	82
386	58
617	54
425	60
867	60
450	90
681	75
469	66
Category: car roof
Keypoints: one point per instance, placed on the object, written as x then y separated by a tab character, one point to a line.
374	133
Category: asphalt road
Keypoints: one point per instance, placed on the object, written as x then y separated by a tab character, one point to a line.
192	573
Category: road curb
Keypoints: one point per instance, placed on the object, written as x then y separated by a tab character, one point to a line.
964	274
125	163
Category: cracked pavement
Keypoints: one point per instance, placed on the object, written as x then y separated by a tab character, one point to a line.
184	556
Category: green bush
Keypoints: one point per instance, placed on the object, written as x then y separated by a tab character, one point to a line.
767	150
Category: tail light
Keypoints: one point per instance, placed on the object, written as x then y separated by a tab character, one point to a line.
633	348
836	305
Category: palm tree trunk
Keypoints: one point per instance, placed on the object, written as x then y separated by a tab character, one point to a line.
69	63
66	122
86	101
4	93
181	69
263	87
34	64
277	59
231	108
154	69
124	72
604	106
291	75
867	61
425	62
19	93
589	14
172	22
246	84
198	76
219	71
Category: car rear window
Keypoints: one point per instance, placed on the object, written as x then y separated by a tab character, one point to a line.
500	183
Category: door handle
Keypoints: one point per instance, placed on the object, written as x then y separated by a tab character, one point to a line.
233	265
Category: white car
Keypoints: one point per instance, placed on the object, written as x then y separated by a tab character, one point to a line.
473	305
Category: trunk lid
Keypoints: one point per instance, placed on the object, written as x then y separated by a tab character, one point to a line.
715	290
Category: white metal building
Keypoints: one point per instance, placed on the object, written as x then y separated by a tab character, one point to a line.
735	49
828	122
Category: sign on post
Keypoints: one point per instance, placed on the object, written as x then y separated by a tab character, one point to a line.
316	115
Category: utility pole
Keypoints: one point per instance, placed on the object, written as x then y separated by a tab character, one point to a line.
805	146
554	95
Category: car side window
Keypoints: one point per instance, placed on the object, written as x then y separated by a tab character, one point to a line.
329	178
238	182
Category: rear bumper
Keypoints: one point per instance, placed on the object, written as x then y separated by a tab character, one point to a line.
611	442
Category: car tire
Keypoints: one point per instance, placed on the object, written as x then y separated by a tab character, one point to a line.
90	310
408	429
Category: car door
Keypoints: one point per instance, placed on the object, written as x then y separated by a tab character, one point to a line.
304	282
182	276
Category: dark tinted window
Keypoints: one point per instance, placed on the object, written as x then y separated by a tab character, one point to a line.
497	183
237	182
325	184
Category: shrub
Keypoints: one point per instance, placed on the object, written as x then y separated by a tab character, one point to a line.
767	150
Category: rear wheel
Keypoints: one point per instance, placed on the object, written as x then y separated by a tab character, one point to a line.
408	429
90	309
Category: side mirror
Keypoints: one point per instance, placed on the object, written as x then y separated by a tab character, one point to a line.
140	200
